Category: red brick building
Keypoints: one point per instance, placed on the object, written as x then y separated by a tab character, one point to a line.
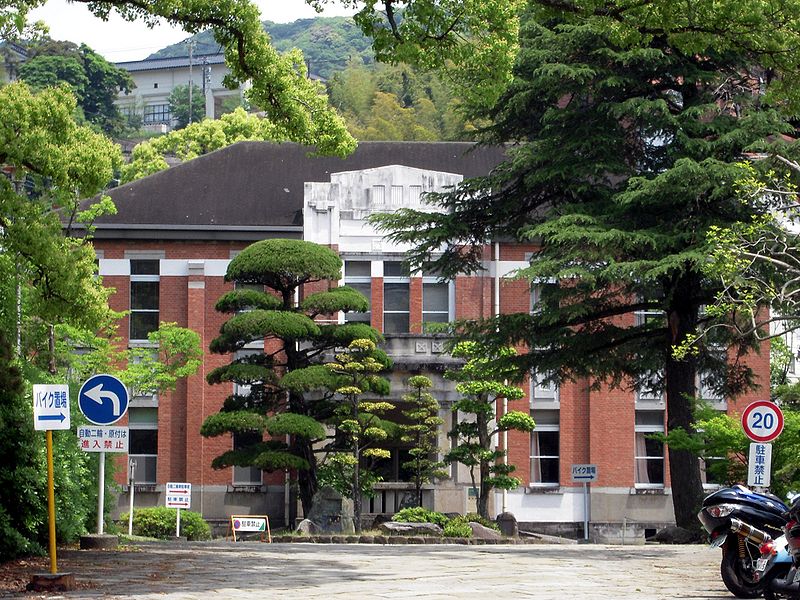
166	252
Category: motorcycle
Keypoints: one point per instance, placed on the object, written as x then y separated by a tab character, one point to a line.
743	522
787	585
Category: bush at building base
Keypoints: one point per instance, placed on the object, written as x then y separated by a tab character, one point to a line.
160	522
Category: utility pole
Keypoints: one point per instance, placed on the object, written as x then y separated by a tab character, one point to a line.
191	44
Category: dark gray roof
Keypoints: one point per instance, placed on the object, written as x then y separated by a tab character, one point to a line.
153	64
252	190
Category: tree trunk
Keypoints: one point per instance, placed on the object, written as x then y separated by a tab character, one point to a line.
684	466
306	478
485	443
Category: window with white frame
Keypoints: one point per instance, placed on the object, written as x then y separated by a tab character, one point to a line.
648	452
544	389
143	442
378	195
545	441
358	275
145	281
435	301
396	313
538	290
414	195
649	391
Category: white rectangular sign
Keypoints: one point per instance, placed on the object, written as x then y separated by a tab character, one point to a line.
93	438
250	524
584	473
179	495
759	465
51	407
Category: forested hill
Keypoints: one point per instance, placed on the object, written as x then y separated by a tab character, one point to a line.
327	43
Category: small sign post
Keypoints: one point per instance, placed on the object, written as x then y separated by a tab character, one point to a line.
51	411
103	400
179	495
585	474
251	523
762	422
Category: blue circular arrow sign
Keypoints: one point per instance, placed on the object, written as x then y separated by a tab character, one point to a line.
103	399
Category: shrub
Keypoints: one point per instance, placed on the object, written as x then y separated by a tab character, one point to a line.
159	522
458	527
476	518
417	514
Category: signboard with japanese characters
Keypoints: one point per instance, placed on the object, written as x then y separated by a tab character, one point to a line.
251	523
179	495
759	465
103	439
51	407
584	473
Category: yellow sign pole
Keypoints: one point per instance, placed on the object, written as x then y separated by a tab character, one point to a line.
51	501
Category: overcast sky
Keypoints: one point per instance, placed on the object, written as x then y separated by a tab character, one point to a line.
118	40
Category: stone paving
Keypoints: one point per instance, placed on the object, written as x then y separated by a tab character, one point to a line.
250	570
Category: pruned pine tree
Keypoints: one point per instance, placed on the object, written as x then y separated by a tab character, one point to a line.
481	382
420	430
272	387
629	122
357	419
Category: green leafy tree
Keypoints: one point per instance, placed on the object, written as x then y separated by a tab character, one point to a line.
481	383
290	367
280	85
359	421
420	431
630	122
94	81
179	105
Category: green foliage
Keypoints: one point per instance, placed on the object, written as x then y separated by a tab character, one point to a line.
160	522
337	471
418	514
480	388
458	528
358	421
420	432
178	355
180	108
279	379
94	81
629	132
476	518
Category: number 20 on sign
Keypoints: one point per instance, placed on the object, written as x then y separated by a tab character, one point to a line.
762	421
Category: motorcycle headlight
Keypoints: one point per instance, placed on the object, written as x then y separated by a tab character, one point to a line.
720	510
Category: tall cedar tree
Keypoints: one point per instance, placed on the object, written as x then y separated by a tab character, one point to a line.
628	128
274	273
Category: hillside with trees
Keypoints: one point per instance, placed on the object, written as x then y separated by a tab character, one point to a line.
327	43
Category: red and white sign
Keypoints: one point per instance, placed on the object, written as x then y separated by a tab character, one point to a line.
179	495
762	421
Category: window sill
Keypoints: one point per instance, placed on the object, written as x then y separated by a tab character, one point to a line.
648	490
543	489
240	488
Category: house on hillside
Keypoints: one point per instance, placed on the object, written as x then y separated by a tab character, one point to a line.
166	251
155	78
11	56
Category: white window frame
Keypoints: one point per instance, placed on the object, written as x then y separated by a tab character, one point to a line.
144	403
358	279
432	280
646	429
545	428
143	279
394	280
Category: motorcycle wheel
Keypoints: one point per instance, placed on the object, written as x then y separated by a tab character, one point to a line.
778	572
734	575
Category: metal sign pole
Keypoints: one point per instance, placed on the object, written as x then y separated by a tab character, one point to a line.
131	486
101	492
51	502
585	511
178	524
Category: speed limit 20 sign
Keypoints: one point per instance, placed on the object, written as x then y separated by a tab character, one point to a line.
762	421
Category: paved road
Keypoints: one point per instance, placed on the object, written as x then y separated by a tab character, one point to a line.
208	571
